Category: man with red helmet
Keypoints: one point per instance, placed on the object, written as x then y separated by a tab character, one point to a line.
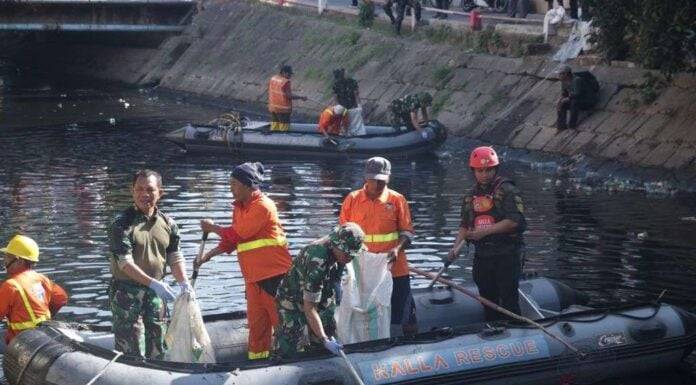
493	220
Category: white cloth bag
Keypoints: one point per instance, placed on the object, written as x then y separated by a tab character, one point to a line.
356	125
365	310
187	338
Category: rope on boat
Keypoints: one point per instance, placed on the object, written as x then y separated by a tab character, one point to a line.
230	124
101	372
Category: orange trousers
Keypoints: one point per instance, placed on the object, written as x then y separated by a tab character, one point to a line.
262	316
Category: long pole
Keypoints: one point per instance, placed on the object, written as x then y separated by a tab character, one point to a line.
354	373
196	267
497	308
446	265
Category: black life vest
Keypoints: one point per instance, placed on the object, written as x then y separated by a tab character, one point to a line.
486	213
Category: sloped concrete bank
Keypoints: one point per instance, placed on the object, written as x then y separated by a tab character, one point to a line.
233	47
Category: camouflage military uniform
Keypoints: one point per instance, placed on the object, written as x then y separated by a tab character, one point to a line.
497	262
135	309
149	243
401	111
344	89
312	276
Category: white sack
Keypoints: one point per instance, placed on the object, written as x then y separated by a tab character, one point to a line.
187	339
356	126
365	310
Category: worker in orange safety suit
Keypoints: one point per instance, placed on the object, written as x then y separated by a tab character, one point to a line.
262	251
27	298
280	99
333	120
385	217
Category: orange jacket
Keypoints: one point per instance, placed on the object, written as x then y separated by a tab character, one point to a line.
331	123
382	220
279	92
27	299
259	239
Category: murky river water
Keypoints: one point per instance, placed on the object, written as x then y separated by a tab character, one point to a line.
61	181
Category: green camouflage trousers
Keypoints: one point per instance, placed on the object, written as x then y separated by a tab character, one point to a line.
292	334
134	306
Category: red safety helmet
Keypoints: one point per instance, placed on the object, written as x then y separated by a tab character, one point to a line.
483	156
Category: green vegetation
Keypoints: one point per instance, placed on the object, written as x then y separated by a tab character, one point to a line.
651	87
658	34
440	100
647	92
366	14
442	75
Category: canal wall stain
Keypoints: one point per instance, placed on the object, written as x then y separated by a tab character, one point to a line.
232	48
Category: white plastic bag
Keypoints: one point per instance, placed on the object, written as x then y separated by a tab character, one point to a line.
365	310
356	126
187	339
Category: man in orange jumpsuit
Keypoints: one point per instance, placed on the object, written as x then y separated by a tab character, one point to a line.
333	121
27	298
385	217
280	99
262	251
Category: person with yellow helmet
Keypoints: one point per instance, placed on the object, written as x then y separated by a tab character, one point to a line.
492	219
27	298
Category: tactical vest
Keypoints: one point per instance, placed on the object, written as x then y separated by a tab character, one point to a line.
486	213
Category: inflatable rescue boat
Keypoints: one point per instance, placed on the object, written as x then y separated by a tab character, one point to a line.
453	347
304	139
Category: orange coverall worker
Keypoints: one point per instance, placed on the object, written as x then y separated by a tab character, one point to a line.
280	102
264	259
331	123
28	298
384	220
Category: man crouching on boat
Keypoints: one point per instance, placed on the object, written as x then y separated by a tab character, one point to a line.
333	121
306	296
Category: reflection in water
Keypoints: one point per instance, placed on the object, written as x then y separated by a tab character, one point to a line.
62	184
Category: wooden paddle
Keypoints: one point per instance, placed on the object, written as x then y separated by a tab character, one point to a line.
494	306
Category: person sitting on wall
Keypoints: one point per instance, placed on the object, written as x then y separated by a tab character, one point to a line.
405	111
333	121
579	92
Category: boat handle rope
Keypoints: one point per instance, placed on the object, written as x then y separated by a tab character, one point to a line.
497	308
101	372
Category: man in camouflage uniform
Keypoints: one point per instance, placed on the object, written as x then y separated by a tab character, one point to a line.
306	297
404	111
345	89
400	10
142	241
492	219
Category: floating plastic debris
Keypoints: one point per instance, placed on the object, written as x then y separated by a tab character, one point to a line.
112	121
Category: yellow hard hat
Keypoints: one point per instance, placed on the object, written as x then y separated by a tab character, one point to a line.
22	247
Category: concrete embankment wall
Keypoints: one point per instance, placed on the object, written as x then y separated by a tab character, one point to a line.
234	47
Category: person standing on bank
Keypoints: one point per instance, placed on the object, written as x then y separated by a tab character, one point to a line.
385	217
306	297
492	219
143	240
280	99
27	298
262	251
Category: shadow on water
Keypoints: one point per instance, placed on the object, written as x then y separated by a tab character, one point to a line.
62	183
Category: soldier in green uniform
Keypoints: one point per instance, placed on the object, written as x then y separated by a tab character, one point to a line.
345	89
142	241
404	111
492	219
306	297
